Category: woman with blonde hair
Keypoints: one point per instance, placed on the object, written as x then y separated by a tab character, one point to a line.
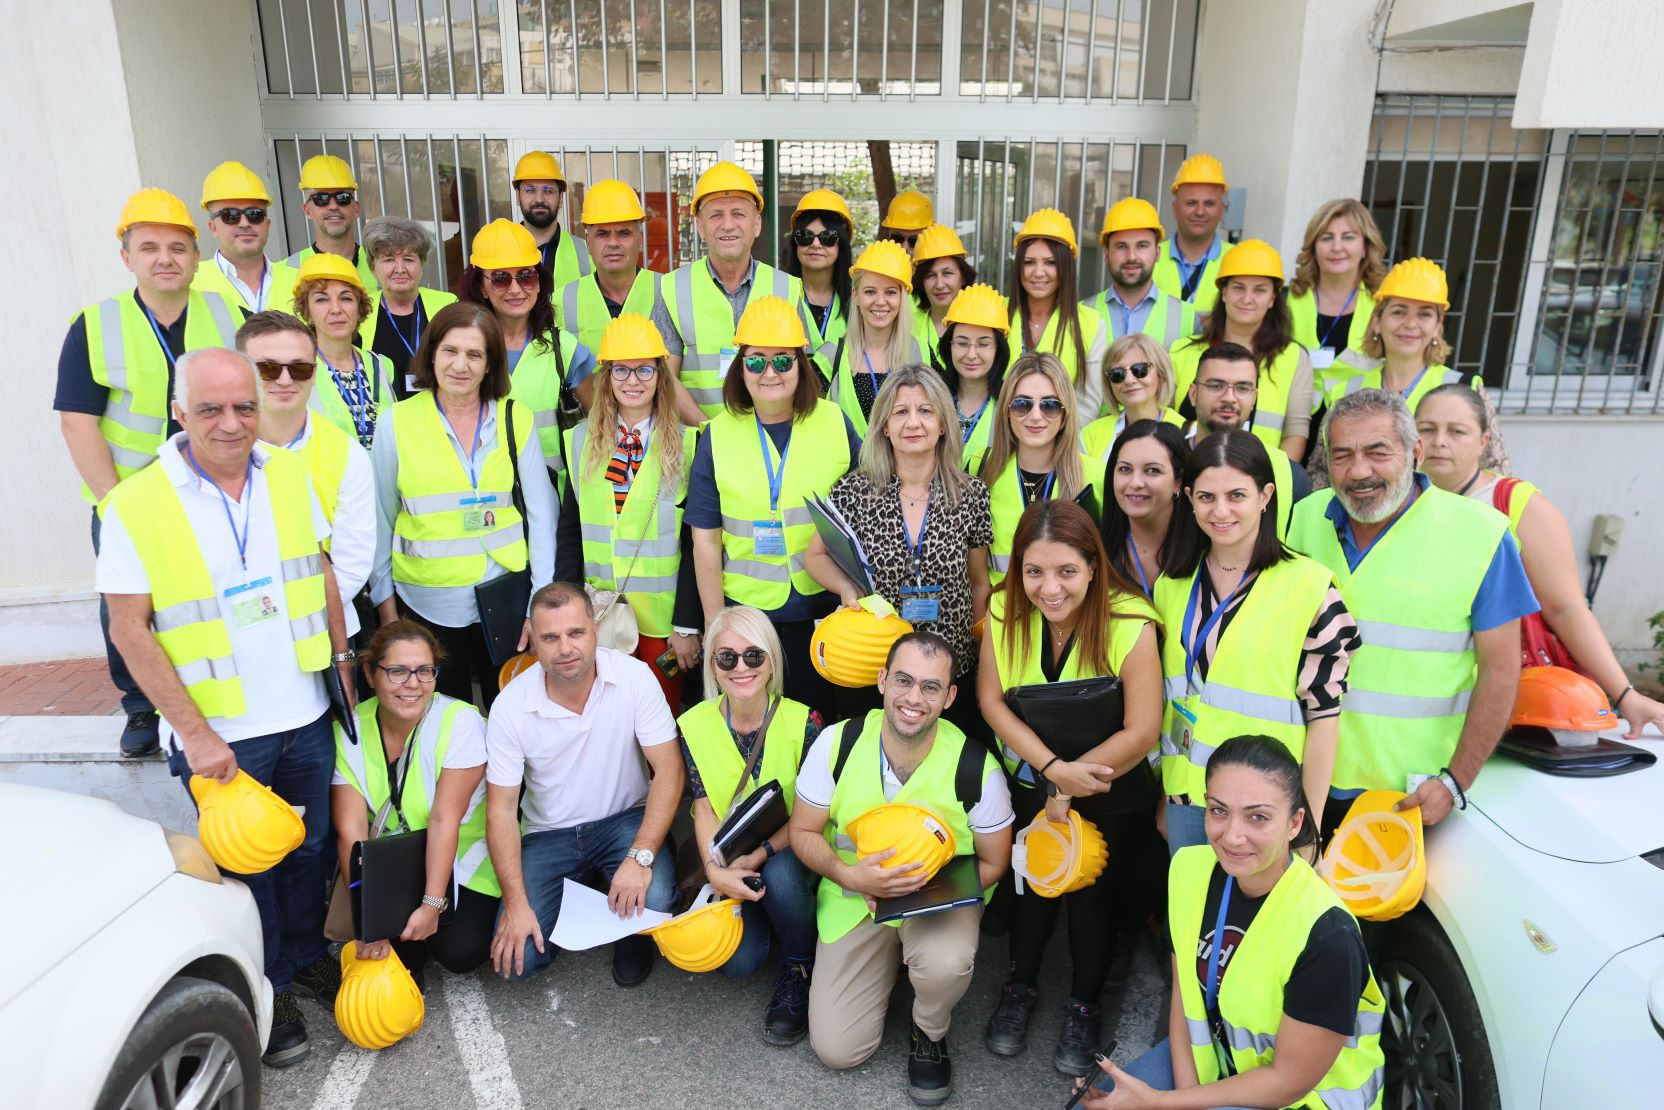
1137	385
880	332
1342	260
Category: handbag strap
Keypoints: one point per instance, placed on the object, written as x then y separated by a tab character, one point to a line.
756	752
516	495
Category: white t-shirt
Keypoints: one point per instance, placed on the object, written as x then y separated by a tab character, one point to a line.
280	696
352	545
814	783
467	745
578	767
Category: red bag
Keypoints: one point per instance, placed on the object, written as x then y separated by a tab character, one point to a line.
1539	646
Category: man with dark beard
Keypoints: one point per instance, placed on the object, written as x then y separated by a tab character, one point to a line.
540	189
1438	589
1223	395
1131	240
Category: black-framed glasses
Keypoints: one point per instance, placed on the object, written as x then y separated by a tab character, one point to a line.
756	364
726	660
234	216
271	369
501	279
1215	388
908	239
803	237
1139	370
1049	406
340	199
621	373
425	674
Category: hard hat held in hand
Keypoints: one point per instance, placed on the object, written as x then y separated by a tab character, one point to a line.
916	834
704	936
244	825
506	673
849	647
981	305
378	1003
938	241
1059	859
886	258
1377	861
1562	700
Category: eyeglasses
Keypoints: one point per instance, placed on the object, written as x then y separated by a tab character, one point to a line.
340	199
1139	370
1215	388
803	237
271	369
726	660
1049	406
621	373
502	279
902	683
234	216
530	190
966	343
756	364
401	675
908	239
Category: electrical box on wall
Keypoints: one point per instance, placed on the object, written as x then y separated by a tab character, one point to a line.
1236	212
1603	539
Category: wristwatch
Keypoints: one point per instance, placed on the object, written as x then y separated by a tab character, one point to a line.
343	657
437	903
643	856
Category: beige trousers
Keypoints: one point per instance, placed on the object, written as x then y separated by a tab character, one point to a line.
855	974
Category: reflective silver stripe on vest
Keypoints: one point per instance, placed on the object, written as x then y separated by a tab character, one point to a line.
687	323
505	536
442	502
705	395
1272	420
788	517
1375	703
126	456
1174	308
1368	1024
782	283
302	566
1264	707
581	249
844	843
544	418
470	861
1200	1035
1170	742
755	569
1343	1098
569	306
119	407
1000	563
222	669
303	628
221	312
184	613
1403	637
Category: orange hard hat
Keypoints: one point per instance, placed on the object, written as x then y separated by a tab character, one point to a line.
1556	698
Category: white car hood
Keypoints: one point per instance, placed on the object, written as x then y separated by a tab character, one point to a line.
1597	820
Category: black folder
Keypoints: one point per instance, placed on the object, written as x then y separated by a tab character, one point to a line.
1074	717
954	885
338	707
750	822
388	877
1537	748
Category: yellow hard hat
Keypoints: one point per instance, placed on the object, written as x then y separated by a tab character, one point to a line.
611	202
1377	861
849	647
916	834
233	181
504	245
1416	279
324	266
771	322
537	165
910	211
704	936
725	177
981	305
1199	169
938	241
513	667
822	200
1059	859
1251	258
325	171
629	337
244	825
1049	223
379	1003
1131	214
154	206
886	258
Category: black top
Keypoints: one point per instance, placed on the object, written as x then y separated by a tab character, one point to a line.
78	392
391	336
1336	328
1052	664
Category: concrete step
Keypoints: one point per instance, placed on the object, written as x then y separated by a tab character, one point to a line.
82	755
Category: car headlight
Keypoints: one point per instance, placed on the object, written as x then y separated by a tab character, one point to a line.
190	857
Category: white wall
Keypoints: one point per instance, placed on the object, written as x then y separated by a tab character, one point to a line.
1593	63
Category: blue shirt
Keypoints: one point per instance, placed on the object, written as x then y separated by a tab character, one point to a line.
1187	270
1129	319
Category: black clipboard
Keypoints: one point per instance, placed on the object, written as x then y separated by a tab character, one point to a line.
387	877
1073	717
955	885
750	822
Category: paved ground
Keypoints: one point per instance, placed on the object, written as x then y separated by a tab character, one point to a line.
67	688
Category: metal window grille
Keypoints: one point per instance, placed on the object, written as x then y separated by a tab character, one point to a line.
381	48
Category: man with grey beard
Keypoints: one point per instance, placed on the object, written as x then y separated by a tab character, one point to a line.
1436	584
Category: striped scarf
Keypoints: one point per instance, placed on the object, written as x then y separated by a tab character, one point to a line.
622	467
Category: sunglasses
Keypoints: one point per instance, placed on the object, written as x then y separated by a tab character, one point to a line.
1049	406
803	237
271	370
621	373
908	239
727	660
756	364
502	279
341	199
1139	370
234	216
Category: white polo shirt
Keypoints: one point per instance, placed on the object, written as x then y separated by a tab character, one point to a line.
352	546
279	694
815	783
578	767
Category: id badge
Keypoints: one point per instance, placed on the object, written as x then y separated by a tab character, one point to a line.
921	603
411	385
1322	358
252	602
1185	732
479	513
724	361
768	537
1412	782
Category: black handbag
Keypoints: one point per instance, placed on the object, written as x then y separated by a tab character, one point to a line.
503	601
1074	717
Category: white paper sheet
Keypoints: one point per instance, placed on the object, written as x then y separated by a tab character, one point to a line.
585	920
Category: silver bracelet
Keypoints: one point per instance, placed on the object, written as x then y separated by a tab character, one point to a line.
437	903
1448	781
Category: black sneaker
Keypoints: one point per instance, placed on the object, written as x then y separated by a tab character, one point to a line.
320	979
143	735
1008	1028
787	1020
929	1071
1078	1042
287	1046
632	961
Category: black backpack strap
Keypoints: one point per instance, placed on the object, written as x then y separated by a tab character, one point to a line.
847	739
968	776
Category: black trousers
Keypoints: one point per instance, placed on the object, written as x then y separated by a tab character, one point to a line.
467	661
463	940
802	682
133	699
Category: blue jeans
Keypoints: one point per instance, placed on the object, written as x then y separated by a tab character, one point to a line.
1155	1068
787	908
133	699
290	897
1186	827
583	853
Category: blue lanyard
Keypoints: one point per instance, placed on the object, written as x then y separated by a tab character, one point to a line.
868	360
776	478
1333	320
473	452
395	325
1138	565
1187	270
300	435
970	429
1192	649
1405	392
248	500
356	395
167	349
1218	942
916	550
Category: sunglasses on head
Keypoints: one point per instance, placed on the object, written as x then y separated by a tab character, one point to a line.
1139	370
234	216
323	200
502	279
803	237
756	364
1049	406
271	370
726	660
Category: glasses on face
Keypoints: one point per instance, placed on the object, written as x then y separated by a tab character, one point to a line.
963	344
401	675
726	660
539	190
908	239
1049	406
1216	388
271	369
1139	370
903	683
234	216
621	373
501	279
756	364
803	237
340	200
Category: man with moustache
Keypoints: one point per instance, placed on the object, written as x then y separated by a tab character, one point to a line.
1189	267
1438	589
239	217
540	190
1131	240
612	219
1224	394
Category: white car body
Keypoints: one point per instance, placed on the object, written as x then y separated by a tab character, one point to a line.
1566	1013
97	921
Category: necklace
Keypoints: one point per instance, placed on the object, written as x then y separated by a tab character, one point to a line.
913	499
1218	565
